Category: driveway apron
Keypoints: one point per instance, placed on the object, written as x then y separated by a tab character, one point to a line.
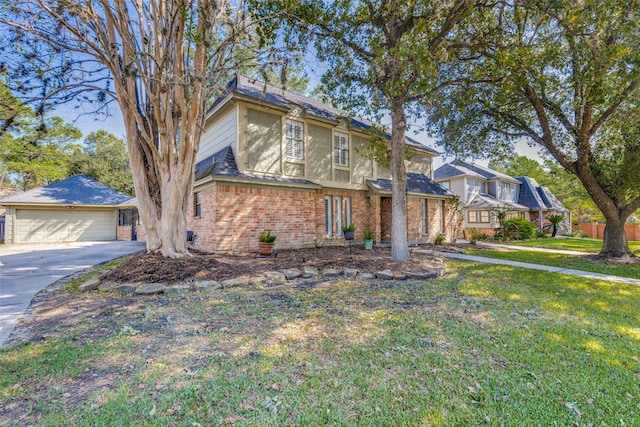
28	268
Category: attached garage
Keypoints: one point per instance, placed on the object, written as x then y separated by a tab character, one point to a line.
64	225
76	209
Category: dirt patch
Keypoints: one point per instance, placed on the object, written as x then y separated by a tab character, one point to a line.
152	268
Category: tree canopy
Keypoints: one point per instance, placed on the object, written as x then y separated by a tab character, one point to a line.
103	157
161	61
381	56
563	74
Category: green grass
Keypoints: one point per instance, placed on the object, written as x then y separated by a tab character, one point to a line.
570	243
487	345
562	260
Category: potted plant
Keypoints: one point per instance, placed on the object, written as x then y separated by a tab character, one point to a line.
367	236
349	231
267	240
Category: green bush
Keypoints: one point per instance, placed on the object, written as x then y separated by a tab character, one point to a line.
519	228
440	239
540	234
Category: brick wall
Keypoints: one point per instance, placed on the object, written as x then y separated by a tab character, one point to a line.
123	232
232	217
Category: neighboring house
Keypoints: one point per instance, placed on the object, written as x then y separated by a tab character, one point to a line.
274	160
482	190
541	202
74	209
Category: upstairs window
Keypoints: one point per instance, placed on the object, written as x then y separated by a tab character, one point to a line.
341	149
295	139
197	204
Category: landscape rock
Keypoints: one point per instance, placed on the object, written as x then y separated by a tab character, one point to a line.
238	281
177	290
107	286
258	280
421	275
350	272
150	289
366	276
292	273
274	277
125	288
332	272
399	275
384	274
200	285
90	285
309	272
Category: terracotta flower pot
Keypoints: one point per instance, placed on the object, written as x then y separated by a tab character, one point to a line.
265	249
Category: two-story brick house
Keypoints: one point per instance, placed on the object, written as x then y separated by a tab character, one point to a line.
274	160
482	190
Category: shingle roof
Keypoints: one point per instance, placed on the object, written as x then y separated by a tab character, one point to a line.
77	190
449	170
528	195
536	196
262	92
550	199
223	164
416	183
486	201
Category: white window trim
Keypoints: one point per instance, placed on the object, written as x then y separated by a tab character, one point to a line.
338	218
328	213
424	216
341	149
294	147
347	210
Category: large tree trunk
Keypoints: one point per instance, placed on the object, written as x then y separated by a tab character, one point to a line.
399	247
615	238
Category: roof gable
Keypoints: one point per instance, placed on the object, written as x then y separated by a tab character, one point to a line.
529	195
77	190
265	93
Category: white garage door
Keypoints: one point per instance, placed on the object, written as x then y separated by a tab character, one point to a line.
69	225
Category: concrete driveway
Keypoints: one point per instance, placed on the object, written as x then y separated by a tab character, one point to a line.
27	269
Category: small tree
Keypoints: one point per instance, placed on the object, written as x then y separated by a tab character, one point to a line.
161	61
500	214
454	209
555	222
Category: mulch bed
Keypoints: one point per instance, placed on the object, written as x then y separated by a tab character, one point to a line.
153	268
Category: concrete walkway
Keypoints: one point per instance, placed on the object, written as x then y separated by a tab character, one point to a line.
529	248
26	269
561	270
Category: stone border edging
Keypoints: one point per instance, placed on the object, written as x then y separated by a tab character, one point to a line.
268	278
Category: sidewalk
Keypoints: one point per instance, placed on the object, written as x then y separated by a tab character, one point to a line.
561	270
529	248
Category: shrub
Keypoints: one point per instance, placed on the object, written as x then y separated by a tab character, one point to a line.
540	234
440	240
519	228
475	235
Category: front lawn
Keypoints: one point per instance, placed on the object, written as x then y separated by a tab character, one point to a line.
585	263
486	345
571	244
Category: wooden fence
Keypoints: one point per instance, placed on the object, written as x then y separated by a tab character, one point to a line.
596	230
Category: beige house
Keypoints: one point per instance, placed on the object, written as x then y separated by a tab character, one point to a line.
274	160
482	190
75	209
